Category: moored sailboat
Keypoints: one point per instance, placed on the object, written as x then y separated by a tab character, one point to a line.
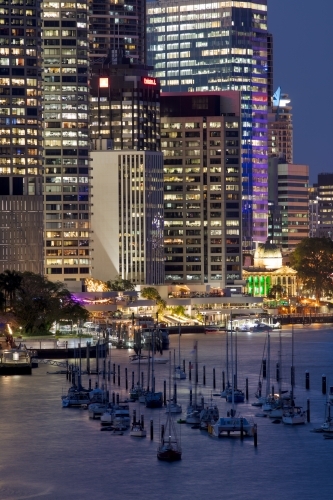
169	449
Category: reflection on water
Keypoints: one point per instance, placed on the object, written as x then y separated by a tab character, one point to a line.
59	454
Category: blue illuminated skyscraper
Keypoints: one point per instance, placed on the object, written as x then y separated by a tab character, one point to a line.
201	46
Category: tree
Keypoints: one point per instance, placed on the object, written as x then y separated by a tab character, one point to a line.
120	285
275	292
9	283
151	293
313	261
39	303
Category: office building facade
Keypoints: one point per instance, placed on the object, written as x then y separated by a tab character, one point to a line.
280	128
200	139
21	197
205	46
324	199
289	195
67	173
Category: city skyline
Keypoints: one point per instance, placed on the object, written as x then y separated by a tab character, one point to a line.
298	75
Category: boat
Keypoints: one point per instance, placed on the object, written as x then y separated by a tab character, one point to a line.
173	407
96	410
292	414
179	372
75	397
15	361
153	399
137	428
232	394
135	359
161	337
169	449
213	329
327	426
117	416
229	424
209	415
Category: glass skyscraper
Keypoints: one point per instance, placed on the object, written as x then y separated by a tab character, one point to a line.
66	140
199	46
21	198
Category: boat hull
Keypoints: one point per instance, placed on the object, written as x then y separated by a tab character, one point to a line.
169	455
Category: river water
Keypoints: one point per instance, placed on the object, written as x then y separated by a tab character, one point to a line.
59	454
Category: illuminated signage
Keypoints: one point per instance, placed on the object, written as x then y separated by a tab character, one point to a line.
103	83
149	81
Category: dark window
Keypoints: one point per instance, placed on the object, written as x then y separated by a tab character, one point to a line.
18	185
4	186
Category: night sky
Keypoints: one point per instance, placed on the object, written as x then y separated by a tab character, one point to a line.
303	67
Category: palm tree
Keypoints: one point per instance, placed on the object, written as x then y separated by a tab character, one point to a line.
10	282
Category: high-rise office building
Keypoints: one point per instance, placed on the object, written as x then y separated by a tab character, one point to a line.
66	140
127	188
280	128
117	31
21	198
288	192
203	46
200	139
324	198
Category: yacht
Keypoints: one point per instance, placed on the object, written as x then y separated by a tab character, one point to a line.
228	425
294	415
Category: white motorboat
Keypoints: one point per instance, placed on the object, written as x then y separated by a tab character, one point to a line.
294	415
96	410
228	425
137	430
76	397
135	359
327	426
173	407
117	416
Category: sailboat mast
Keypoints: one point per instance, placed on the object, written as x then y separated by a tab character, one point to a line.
292	364
280	363
179	345
268	375
152	363
232	371
196	373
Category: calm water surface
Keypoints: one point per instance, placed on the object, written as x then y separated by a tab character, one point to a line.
59	454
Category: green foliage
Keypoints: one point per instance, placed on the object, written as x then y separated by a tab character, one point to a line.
178	310
150	293
313	261
9	283
39	303
120	285
275	292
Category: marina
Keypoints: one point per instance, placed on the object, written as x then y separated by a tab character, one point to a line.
66	440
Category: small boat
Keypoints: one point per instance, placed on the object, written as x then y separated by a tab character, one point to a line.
15	361
137	430
169	449
294	415
153	399
213	329
76	397
228	425
209	415
117	416
137	358
238	395
96	410
173	407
